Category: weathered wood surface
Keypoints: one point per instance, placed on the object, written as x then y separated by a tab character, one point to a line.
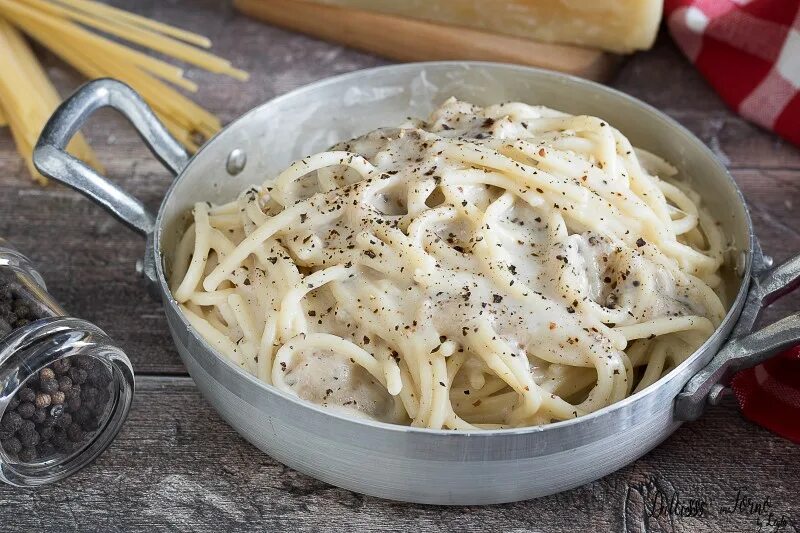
177	466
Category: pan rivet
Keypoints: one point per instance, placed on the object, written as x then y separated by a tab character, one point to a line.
237	159
768	261
140	268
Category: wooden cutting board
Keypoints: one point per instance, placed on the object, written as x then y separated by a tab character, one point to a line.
411	40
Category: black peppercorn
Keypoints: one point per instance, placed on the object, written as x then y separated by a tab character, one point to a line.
64	420
26	394
78	375
45	449
98	376
73	404
29	438
59	437
27	455
11	445
49	386
61	366
27	426
26	409
84	362
46	432
12	420
64	383
57	409
74	392
39	416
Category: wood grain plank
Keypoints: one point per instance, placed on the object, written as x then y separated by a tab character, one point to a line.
177	466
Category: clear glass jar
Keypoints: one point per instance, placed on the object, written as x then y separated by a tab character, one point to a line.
65	387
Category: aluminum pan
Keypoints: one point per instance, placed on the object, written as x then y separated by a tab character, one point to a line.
317	115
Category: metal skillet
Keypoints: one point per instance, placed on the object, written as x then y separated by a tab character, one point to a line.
398	462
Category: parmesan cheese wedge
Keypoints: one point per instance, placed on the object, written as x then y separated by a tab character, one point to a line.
621	26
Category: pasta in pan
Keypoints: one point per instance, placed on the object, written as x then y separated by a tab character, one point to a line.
486	268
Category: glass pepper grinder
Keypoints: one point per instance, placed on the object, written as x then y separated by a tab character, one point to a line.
65	387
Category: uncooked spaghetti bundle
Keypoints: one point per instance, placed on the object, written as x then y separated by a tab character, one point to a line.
76	30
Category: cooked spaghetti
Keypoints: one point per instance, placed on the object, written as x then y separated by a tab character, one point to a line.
487	268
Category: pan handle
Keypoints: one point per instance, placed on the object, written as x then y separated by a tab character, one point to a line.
746	348
52	160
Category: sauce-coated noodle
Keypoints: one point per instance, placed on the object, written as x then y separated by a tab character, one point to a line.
487	268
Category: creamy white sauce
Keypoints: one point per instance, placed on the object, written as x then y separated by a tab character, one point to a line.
519	240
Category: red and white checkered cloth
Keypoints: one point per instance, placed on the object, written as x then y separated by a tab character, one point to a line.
749	51
769	394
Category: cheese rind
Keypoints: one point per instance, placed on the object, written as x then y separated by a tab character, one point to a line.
621	26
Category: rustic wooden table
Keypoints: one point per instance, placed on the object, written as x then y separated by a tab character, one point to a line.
177	466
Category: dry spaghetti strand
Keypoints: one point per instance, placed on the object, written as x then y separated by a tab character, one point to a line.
68	28
28	98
